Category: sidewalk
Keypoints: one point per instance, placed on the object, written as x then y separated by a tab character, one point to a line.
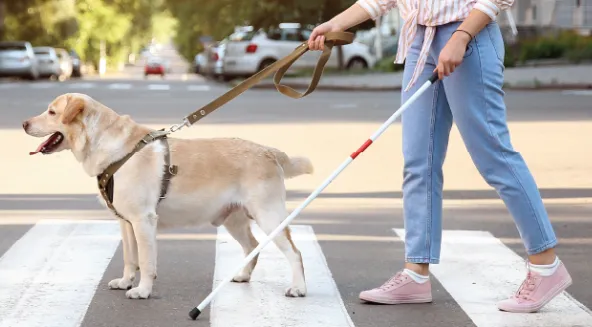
522	78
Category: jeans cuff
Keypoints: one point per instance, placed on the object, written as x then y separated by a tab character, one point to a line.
546	246
422	260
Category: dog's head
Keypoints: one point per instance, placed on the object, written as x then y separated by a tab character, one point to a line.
94	133
62	121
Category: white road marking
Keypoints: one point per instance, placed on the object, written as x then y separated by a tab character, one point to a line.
159	87
478	270
198	88
262	302
42	85
82	85
120	86
49	276
344	106
577	92
5	86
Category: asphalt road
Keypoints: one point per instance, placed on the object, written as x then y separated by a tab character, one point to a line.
347	233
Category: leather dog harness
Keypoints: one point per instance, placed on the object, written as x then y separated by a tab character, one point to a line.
105	180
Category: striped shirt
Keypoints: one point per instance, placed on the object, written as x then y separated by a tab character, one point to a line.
429	13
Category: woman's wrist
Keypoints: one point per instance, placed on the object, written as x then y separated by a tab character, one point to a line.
474	23
462	36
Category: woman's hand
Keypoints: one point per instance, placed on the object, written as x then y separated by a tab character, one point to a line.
351	16
316	41
452	54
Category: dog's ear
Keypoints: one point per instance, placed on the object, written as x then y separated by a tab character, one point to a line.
74	107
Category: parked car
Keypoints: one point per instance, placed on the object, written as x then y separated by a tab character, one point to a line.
17	59
48	61
199	62
214	60
65	61
76	64
248	51
154	66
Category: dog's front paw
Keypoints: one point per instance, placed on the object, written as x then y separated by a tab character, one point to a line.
295	291
120	284
138	293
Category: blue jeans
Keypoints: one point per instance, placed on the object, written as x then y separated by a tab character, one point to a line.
472	95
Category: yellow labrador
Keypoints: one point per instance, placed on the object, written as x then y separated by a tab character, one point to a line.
224	181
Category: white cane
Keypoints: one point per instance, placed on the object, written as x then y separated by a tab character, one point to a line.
195	312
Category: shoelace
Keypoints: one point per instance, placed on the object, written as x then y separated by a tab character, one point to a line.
526	287
395	280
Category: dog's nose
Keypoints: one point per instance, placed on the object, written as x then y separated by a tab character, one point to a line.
25	125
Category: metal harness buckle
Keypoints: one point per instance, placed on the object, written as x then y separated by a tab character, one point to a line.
177	127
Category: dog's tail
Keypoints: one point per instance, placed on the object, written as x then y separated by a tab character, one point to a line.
293	166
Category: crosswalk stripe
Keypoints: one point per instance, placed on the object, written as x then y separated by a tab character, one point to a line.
7	86
262	302
49	276
577	92
198	88
159	87
82	85
120	86
478	270
42	85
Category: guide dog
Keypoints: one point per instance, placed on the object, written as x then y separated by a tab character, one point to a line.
220	181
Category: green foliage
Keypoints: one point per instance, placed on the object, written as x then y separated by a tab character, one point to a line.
100	22
565	45
43	22
124	26
387	65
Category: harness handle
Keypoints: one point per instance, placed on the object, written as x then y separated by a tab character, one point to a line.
280	67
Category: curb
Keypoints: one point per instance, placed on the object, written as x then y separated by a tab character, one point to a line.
540	87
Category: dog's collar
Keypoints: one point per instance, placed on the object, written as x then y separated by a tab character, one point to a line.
106	179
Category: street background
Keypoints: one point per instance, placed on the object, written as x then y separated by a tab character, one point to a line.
350	235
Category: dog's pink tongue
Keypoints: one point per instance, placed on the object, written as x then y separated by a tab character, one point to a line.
40	147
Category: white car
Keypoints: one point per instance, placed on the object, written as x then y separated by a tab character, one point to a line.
48	62
248	51
18	59
66	63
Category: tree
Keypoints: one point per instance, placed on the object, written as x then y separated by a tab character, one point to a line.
98	22
2	15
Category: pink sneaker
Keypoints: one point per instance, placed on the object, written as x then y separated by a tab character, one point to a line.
536	291
401	288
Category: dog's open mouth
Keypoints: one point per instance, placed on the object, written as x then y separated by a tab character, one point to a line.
49	145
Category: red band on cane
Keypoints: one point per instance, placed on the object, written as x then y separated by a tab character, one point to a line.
361	149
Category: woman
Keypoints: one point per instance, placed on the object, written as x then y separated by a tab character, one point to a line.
460	40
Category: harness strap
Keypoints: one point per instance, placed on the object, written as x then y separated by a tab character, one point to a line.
105	180
169	172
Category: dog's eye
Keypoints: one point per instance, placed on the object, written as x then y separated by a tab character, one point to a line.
51	112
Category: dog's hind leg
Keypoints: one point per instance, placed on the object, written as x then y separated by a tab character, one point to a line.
238	225
130	257
269	212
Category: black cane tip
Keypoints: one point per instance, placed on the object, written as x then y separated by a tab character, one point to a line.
194	313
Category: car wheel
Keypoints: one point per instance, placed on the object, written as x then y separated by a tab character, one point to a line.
33	76
357	63
265	63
